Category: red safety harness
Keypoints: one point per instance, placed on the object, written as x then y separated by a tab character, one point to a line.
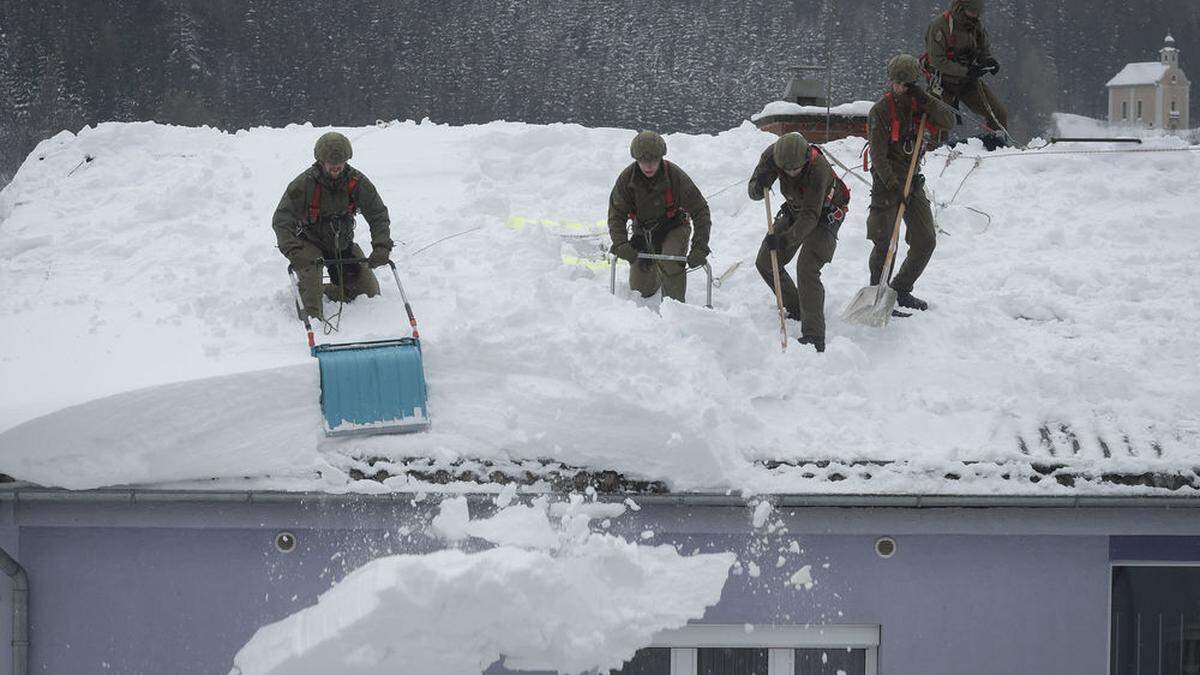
895	115
891	99
314	208
838	197
951	46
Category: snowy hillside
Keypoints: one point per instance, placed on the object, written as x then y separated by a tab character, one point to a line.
148	336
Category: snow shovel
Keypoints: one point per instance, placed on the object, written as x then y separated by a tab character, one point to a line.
873	305
371	387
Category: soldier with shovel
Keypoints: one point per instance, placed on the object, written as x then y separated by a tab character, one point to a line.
897	124
806	227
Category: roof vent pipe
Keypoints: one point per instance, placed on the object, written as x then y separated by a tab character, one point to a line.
20	621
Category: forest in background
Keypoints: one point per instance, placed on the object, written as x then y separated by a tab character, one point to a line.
697	66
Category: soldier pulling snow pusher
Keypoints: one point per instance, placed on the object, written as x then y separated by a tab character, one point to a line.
370	387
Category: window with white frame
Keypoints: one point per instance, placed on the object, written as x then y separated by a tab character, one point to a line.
759	650
1124	110
1139	110
1155	620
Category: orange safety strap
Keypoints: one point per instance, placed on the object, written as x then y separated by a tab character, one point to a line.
314	208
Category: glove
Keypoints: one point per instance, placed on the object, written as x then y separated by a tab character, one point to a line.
773	242
921	96
975	71
379	257
918	187
625	251
757	191
697	257
991	66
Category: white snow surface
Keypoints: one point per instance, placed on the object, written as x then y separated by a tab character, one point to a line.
148	336
855	108
588	606
1147	72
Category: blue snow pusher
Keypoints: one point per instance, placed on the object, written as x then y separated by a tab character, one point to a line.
373	387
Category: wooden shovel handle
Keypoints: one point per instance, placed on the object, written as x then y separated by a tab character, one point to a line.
886	272
783	341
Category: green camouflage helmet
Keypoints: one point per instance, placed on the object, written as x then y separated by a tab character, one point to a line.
975	6
790	151
332	147
648	145
904	69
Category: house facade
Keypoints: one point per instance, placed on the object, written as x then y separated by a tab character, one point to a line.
177	582
1152	95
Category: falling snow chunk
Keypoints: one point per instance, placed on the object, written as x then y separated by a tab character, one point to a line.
755	572
761	513
802	577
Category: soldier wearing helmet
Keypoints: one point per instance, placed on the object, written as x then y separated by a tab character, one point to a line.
957	56
652	209
892	135
815	203
315	221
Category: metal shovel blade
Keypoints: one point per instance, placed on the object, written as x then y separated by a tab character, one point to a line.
872	306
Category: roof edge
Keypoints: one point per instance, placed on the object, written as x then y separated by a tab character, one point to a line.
35	495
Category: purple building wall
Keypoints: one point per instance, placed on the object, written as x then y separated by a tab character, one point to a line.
178	587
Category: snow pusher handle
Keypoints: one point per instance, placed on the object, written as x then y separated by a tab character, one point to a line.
412	320
612	278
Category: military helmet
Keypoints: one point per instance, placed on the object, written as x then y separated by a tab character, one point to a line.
974	6
904	69
790	151
648	145
332	147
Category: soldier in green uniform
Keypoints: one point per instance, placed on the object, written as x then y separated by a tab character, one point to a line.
957	56
893	127
660	203
807	223
315	221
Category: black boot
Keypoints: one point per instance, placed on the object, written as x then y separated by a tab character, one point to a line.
910	301
816	342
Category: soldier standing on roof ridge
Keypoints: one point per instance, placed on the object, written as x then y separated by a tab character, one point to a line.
893	128
662	204
807	223
315	221
957	55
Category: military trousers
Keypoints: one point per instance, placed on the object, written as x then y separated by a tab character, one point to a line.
920	233
978	98
347	281
813	245
648	276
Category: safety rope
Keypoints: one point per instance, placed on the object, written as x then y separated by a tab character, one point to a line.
978	159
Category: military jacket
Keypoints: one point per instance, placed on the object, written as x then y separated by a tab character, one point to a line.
332	228
890	160
645	199
806	193
953	44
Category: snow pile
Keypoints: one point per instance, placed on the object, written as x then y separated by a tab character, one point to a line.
1078	126
147	335
570	604
854	109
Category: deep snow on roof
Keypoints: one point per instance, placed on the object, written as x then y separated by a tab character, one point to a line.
1150	72
150	338
777	108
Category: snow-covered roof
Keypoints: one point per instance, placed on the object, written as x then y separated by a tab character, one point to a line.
148	337
1151	72
775	108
